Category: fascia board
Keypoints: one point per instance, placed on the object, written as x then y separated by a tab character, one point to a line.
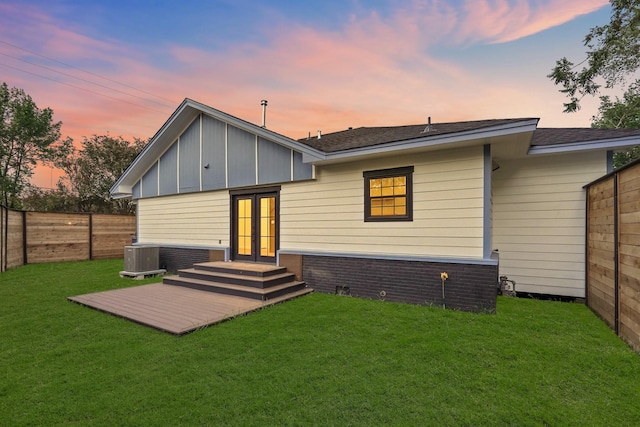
602	144
117	196
439	140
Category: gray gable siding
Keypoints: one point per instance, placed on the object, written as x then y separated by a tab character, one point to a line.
301	170
169	171
135	191
189	159
274	162
212	155
241	152
150	182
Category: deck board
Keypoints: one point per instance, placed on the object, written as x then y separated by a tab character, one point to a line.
174	309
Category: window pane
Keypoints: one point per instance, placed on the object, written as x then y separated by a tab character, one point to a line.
400	190
387	191
388	206
376	207
399	181
388	202
268	226
374	188
245	246
244	227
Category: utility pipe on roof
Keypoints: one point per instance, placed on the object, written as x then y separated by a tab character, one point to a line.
264	112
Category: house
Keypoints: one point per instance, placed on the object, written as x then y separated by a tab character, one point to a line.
376	212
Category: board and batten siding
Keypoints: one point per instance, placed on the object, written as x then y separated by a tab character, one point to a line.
327	215
194	219
213	155
539	220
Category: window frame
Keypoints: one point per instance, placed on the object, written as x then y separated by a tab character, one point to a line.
407	173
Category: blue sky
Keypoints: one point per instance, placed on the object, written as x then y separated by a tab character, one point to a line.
123	66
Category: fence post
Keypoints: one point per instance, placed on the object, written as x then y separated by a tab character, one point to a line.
586	246
24	238
616	255
6	239
90	236
3	236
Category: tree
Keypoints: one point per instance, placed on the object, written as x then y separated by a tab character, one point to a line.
59	199
28	135
621	113
613	55
92	170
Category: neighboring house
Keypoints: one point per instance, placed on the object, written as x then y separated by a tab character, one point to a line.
376	212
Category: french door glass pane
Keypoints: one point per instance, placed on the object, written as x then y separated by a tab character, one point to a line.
268	226
244	226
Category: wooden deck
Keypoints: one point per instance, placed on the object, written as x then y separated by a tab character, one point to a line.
174	309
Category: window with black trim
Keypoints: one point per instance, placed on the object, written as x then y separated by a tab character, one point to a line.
388	194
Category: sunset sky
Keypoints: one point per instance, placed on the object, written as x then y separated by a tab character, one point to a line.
123	66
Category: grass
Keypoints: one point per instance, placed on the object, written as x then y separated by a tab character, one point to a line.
317	360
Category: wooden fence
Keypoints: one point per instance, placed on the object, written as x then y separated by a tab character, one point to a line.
613	251
40	237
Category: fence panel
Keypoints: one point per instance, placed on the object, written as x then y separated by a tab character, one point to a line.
613	251
15	245
601	250
55	237
110	234
629	255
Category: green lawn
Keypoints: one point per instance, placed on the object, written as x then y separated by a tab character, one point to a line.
316	360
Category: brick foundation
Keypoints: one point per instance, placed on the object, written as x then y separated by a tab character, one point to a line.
470	287
174	259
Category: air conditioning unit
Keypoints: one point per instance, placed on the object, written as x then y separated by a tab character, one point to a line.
138	259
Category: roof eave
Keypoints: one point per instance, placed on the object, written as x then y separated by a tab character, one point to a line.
601	144
434	141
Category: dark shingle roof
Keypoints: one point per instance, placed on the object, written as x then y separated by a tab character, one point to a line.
371	136
553	136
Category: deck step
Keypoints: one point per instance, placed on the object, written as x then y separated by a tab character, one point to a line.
241	268
264	282
262	294
295	294
238	279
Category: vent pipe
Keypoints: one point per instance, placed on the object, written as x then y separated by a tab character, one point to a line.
264	112
319	134
429	127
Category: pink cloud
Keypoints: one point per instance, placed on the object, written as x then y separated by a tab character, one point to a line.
500	21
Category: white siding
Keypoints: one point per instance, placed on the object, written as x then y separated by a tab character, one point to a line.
196	219
328	214
539	220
